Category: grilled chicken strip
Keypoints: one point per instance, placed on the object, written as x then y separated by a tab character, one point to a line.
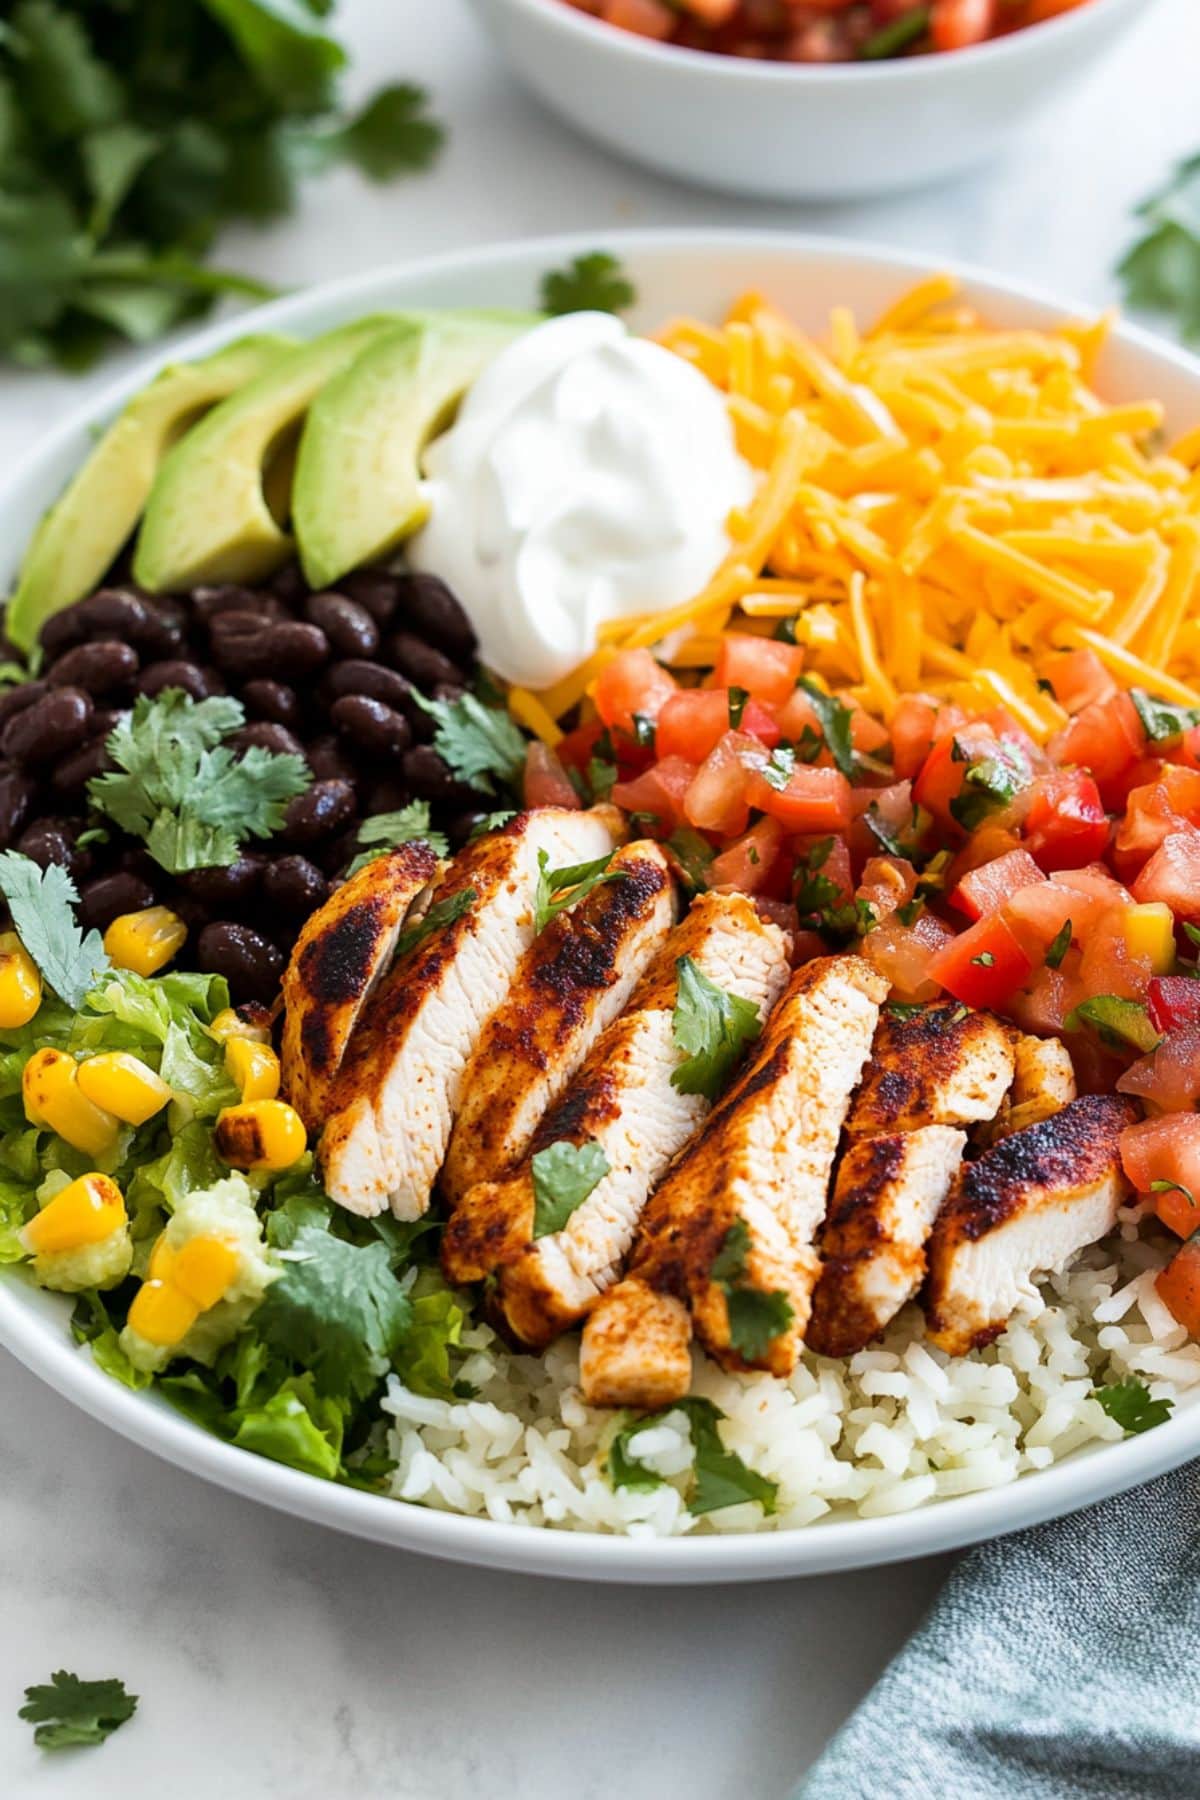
341	954
401	1081
942	1065
570	986
889	1192
624	1100
1043	1083
730	1231
1024	1209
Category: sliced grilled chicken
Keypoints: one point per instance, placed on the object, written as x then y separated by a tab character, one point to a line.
636	1348
1024	1209
1043	1083
941	1065
730	1231
569	987
889	1191
401	1081
624	1100
341	954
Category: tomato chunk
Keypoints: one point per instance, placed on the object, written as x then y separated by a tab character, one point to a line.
811	799
985	889
1166	1149
1066	826
983	965
766	668
546	781
1173	874
632	684
1106	738
957	24
1170	1076
658	795
1157	808
693	722
1178	1287
717	799
747	866
1173	1000
1079	678
904	953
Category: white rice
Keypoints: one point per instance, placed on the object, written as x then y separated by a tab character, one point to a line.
895	1427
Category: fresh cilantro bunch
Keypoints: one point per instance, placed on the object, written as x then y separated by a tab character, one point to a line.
130	134
1161	271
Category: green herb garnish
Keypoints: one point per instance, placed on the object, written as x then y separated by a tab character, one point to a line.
1129	1403
720	1479
480	744
441	914
1162	722
388	831
1060	944
67	1711
592	283
738	697
692	855
42	904
896	36
564	1175
756	1317
835	718
712	1028
1116	1021
1161	271
1162	1186
560	889
989	783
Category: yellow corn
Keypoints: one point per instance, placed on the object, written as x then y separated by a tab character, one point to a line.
1149	931
230	1022
260	1134
124	1085
253	1067
162	1259
145	942
86	1212
203	1269
162	1313
53	1098
20	983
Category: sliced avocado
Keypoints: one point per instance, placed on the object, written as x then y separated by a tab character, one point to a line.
85	529
208	518
357	492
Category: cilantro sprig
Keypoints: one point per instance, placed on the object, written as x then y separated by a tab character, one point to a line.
757	1316
712	1028
441	914
720	1478
42	903
66	1711
479	744
564	1175
1161	271
1129	1403
1162	721
560	889
390	830
595	282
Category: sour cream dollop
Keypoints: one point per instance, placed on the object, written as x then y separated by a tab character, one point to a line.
588	477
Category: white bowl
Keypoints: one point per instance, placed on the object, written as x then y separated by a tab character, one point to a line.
698	273
794	130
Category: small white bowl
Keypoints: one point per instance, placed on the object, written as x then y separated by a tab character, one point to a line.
797	130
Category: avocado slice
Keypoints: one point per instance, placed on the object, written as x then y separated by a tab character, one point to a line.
358	490
83	532
208	517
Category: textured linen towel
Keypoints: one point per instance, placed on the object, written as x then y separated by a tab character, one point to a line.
1062	1663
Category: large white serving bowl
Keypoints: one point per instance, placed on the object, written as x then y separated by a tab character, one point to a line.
673	272
798	131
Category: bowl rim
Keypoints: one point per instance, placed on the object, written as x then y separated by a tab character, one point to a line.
748	71
823	1547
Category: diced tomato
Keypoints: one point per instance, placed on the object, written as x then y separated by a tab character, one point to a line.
813	800
1173	874
747	865
546	781
1106	738
986	888
903	953
1066	826
578	747
914	723
658	795
693	722
1187	750
718	797
1154	810
1079	679
1096	883
888	882
957	24
1174	1000
632	683
983	965
1170	1076
1106	965
1041	1006
1166	1149
867	734
889	810
645	18
1038	913
940	780
796	717
1178	1287
834	862
766	668
805	945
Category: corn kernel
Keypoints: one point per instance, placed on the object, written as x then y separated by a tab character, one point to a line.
162	1259
53	1098
144	942
162	1313
254	1068
203	1269
86	1212
124	1085
1149	931
20	983
232	1022
260	1134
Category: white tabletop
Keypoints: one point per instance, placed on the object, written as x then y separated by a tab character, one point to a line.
272	1658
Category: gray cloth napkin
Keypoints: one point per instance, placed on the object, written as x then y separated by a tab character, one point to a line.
1062	1663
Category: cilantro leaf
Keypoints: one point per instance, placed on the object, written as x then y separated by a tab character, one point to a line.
388	831
392	135
183	791
560	889
563	1176
67	1711
479	744
1059	945
779	767
1162	722
1161	270
592	283
989	783
756	1316
738	698
1116	1021
41	902
1129	1403
337	1311
493	821
712	1027
440	914
691	855
1163	1186
720	1476
835	719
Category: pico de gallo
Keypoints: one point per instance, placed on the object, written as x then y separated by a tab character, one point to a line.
823	31
1057	885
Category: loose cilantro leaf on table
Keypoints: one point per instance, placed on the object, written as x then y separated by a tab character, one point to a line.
1163	722
181	789
440	914
563	1177
560	889
756	1316
41	902
337	1311
591	283
1129	1403
480	744
712	1028
1161	271
66	1711
721	1478
388	831
394	134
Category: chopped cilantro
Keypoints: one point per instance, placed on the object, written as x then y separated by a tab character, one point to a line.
737	706
41	902
337	1310
910	912
902	1010
712	1028
480	744
1162	722
985	960
756	1316
592	283
989	783
1161	1186
1116	1021
493	821
388	831
835	718
720	1479
779	767
1059	945
644	730
692	854
67	1711
1129	1403
563	1176
601	776
560	889
440	914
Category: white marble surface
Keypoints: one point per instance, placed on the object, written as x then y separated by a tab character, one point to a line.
274	1659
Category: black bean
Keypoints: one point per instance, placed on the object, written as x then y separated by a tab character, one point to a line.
272	701
329	761
266	736
317	814
56	723
297	649
98	667
210	603
336	856
349	627
240	642
135	859
49	841
429	778
122	614
16	799
289	584
175	673
375	589
420	662
16	699
71	774
250	963
62	630
387	795
294	884
108	896
356	676
429	607
372	727
462	828
167	628
231	887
